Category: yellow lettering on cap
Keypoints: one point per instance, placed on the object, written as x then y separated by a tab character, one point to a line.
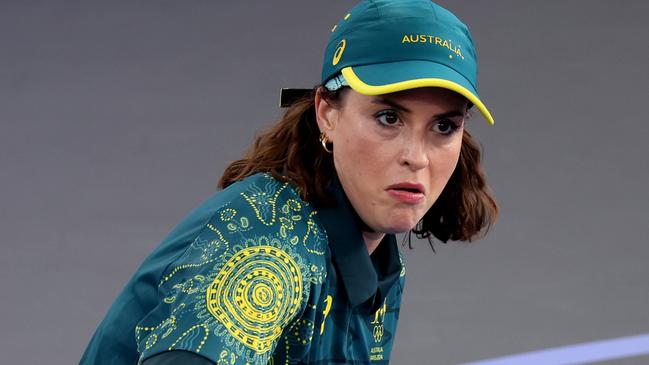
436	40
339	52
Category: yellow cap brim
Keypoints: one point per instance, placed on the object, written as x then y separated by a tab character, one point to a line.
361	87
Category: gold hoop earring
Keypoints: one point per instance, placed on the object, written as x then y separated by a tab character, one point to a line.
324	140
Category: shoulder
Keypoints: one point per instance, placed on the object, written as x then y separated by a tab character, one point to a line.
257	211
264	197
248	273
262	205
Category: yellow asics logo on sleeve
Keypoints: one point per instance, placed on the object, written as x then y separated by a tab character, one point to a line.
339	51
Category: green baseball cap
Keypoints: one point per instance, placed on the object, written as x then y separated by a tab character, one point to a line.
385	46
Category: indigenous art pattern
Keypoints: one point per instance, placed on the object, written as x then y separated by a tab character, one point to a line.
243	282
255	294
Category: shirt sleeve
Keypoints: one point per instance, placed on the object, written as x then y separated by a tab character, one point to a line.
230	295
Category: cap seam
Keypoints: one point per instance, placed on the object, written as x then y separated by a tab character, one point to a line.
434	11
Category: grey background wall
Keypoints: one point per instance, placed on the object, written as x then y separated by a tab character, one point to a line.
117	118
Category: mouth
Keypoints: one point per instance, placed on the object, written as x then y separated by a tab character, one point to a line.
411	190
408	193
408	188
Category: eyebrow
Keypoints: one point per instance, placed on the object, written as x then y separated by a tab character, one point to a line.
393	104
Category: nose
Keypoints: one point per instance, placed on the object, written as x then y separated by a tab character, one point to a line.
413	154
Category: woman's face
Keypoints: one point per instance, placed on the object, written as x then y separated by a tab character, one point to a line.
394	153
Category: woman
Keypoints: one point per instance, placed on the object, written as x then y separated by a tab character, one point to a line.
295	260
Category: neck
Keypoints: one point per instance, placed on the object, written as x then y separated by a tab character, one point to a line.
372	240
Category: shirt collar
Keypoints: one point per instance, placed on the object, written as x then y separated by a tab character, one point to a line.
366	279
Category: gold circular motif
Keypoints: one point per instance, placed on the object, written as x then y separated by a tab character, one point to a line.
262	294
255	294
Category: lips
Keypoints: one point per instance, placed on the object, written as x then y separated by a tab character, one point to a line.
409	187
409	193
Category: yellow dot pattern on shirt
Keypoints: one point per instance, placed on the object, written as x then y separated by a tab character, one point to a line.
187	266
263	203
300	332
190	330
228	214
304	331
255	294
151	340
169	322
311	236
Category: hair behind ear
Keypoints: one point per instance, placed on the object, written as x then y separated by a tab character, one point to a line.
466	208
290	150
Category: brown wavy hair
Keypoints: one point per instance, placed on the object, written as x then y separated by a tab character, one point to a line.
290	151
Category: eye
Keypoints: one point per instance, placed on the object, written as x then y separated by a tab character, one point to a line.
445	126
387	118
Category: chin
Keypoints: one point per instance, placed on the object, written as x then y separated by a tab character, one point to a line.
399	225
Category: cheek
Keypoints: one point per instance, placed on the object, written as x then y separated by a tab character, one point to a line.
358	150
444	162
358	155
363	161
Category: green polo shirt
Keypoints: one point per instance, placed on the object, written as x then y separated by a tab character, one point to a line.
256	275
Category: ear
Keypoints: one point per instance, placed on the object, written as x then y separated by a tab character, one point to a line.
326	114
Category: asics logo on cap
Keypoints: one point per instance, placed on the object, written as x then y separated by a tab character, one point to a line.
339	52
